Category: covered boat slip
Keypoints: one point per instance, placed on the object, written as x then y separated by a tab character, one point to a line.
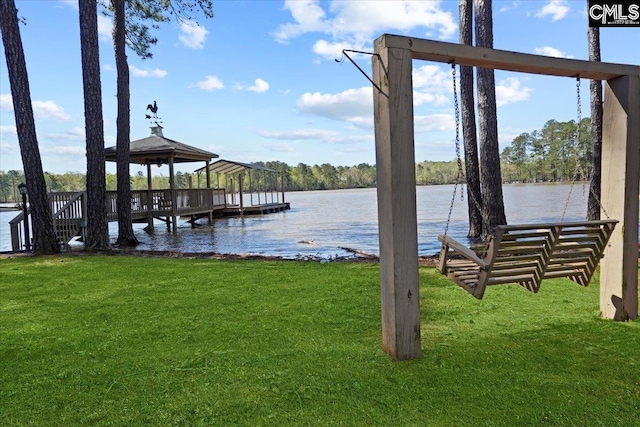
265	187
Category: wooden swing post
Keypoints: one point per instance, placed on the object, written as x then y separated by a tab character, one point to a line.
395	161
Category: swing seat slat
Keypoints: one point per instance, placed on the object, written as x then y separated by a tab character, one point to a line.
526	254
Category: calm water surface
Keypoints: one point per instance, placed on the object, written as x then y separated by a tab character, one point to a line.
333	219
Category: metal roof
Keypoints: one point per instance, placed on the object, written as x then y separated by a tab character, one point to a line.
157	149
229	166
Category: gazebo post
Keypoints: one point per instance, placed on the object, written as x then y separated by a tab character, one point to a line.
240	190
206	168
172	187
250	189
149	198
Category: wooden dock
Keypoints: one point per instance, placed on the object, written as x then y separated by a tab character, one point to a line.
70	218
235	210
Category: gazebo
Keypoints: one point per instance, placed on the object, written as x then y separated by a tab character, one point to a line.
166	204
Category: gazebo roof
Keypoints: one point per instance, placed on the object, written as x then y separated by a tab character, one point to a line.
156	149
231	167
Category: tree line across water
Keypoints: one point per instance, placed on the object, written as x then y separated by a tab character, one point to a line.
548	154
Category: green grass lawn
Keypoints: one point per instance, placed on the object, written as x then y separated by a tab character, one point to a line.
116	340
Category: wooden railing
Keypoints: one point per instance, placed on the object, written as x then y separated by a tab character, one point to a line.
69	218
184	202
70	215
16	226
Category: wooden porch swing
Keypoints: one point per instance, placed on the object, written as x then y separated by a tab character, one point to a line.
526	253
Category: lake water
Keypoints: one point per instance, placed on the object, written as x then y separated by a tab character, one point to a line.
333	219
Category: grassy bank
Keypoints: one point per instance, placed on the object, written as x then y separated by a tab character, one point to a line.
114	340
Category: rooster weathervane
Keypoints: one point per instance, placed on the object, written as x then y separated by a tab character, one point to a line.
154	113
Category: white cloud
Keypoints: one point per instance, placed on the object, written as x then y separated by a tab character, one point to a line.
353	24
6	101
431	85
299	135
147	72
557	9
41	109
259	86
192	35
332	50
8	131
281	147
105	28
353	105
326	136
9	148
67	151
550	51
510	90
433	123
507	8
49	110
75	134
308	17
210	83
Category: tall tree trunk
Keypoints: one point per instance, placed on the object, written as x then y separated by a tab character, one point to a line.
125	228
593	205
45	241
490	174
472	169
97	226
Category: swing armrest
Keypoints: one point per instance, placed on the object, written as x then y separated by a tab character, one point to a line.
463	250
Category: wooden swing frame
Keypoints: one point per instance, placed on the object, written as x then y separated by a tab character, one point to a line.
397	221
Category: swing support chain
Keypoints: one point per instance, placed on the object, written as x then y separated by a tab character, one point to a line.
460	178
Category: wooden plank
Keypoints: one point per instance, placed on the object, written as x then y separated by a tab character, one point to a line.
575	247
525	242
474	56
507	266
567	272
563	225
508	251
620	159
514	271
462	250
396	190
569	259
523	257
517	236
509	279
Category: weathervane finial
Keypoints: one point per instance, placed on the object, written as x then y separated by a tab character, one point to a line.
154	113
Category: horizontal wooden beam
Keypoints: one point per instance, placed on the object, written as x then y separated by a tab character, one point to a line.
474	56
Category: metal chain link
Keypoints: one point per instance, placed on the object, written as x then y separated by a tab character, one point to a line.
579	172
460	178
456	105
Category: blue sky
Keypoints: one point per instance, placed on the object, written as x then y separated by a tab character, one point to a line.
259	80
